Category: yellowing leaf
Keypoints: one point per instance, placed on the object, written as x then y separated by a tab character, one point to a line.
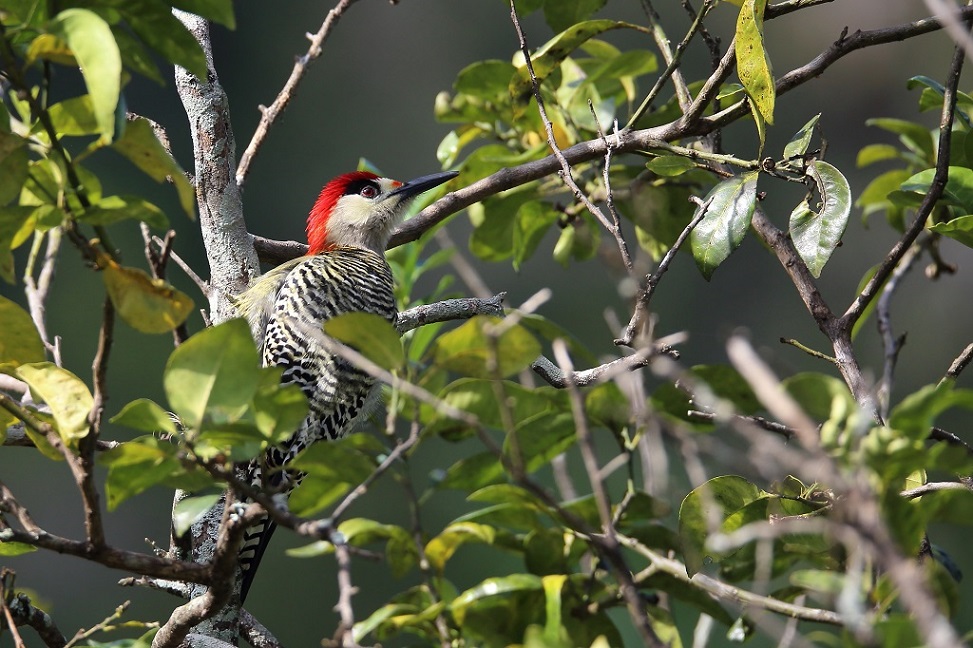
146	304
50	48
20	342
753	65
66	395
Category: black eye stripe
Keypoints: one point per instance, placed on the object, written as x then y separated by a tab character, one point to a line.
355	187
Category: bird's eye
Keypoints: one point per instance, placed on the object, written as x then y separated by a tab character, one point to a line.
368	191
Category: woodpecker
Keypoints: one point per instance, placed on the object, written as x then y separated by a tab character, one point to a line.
343	271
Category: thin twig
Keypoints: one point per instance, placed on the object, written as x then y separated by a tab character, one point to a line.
933	487
883	318
957	366
270	114
346	590
390	459
610	543
672	60
565	171
639	325
137	563
728	592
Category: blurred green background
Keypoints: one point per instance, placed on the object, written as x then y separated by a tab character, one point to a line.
371	95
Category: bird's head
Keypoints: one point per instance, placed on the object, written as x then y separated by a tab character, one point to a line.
360	209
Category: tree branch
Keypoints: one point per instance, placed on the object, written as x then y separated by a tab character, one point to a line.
224	583
232	260
448	310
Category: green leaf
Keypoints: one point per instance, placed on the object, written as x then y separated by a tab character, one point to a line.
959	186
537	440
816	234
918	411
163	32
498	586
875	197
479	398
75	116
13	166
475	347
553	584
15	548
712	502
145	415
214	374
728	384
485	79
549	56
20	342
826	399
66	395
670	165
112	209
146	304
187	511
442	547
801	140
93	45
876	153
147	461
473	472
660	215
533	221
371	335
140	145
916	137
332	469
729	208
278	409
959	229
753	64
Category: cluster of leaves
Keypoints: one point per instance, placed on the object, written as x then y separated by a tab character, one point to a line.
45	141
899	191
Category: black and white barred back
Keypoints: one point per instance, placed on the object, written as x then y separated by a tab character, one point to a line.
315	289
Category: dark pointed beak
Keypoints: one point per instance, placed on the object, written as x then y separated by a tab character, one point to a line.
425	183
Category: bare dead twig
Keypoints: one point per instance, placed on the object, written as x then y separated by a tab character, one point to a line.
609	542
959	364
346	590
729	593
672	60
639	325
554	375
883	317
565	171
38	289
270	113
